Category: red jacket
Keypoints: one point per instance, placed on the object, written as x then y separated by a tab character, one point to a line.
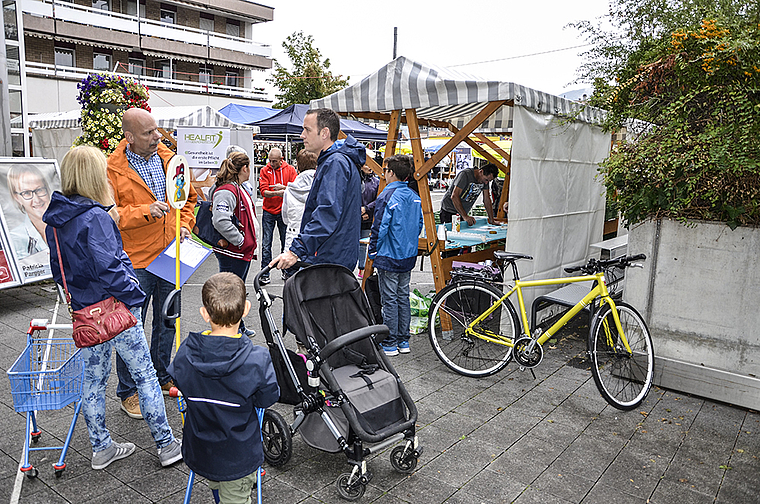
284	175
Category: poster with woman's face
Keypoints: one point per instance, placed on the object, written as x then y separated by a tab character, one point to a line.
9	276
26	186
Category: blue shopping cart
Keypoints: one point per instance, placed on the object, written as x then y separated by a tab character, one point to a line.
48	375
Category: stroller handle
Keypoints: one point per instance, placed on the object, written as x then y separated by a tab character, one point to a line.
352	337
265	272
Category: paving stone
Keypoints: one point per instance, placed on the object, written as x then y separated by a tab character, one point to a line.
421	489
669	491
535	495
566	485
495	486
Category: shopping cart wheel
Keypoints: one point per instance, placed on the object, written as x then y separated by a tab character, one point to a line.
36	436
31	472
59	469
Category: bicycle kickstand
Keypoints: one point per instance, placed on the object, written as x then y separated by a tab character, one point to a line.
522	368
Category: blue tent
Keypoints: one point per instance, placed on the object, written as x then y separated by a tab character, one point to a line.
246	114
289	122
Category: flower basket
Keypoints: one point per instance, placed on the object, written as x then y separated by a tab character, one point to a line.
104	98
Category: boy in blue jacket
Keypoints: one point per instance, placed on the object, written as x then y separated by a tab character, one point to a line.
224	378
393	248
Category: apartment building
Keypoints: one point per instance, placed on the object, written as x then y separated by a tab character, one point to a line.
188	52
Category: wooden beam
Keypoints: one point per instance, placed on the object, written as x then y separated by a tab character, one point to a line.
501	152
458	137
428	215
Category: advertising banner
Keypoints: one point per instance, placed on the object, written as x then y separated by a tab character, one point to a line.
26	185
204	149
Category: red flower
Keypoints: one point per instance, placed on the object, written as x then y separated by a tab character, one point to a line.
104	143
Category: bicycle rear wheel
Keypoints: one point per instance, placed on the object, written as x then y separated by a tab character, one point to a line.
452	312
623	378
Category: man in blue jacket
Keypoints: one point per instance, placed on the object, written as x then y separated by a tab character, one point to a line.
331	223
393	247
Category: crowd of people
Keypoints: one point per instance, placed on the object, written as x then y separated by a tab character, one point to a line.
111	220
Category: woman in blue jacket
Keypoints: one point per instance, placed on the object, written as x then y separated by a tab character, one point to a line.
97	268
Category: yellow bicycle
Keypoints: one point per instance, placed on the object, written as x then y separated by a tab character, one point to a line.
475	330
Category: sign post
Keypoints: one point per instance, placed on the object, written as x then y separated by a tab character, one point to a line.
177	191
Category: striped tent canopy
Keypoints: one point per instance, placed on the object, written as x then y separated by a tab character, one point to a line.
166	117
447	95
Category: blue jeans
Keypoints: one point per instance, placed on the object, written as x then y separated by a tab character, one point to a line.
131	345
268	221
394	295
363	249
236	266
161	336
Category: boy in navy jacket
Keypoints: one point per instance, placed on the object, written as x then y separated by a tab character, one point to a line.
393	248
224	378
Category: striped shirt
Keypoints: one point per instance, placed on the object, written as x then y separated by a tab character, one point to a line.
151	171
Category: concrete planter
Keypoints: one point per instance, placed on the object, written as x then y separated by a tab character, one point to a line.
699	292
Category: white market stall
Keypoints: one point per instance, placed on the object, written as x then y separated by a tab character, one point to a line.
556	205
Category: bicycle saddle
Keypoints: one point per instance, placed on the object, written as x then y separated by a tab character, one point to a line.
510	256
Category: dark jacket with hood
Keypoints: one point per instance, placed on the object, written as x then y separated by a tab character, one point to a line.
331	223
223	380
93	257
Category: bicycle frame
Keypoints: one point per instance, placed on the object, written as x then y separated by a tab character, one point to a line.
599	291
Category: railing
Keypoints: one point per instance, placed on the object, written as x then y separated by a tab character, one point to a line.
73	73
132	24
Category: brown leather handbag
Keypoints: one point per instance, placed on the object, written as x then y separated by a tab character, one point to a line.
98	322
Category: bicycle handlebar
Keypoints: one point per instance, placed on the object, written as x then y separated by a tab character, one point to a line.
593	266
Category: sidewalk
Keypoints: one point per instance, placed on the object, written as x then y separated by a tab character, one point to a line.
506	438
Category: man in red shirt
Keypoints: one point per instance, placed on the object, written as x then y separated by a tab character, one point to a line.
273	179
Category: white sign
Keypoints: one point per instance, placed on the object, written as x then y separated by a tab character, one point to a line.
204	148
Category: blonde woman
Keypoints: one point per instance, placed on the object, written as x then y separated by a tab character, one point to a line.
31	194
96	268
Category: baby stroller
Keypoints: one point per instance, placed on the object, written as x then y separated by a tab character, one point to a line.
346	395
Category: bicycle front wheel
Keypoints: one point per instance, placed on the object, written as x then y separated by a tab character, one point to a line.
622	377
453	310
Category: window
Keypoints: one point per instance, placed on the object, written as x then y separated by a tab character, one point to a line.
14	99
132	8
9	16
231	78
233	28
137	66
204	74
206	22
163	69
101	61
64	57
101	4
168	16
14	66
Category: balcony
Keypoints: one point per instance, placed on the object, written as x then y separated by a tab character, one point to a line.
77	74
130	31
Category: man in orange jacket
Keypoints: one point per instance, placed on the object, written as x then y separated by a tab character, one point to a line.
137	172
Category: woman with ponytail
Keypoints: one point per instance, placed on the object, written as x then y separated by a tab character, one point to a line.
230	199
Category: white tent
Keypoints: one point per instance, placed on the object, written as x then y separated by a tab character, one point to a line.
556	205
54	133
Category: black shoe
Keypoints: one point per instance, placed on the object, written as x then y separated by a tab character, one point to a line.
264	280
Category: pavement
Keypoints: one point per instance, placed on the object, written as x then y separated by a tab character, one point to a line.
506	438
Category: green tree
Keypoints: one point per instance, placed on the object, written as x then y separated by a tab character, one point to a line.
310	77
694	87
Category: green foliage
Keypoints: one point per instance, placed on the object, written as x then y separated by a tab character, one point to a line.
696	93
310	77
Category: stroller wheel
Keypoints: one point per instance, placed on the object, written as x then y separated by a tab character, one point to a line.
276	438
348	489
403	464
